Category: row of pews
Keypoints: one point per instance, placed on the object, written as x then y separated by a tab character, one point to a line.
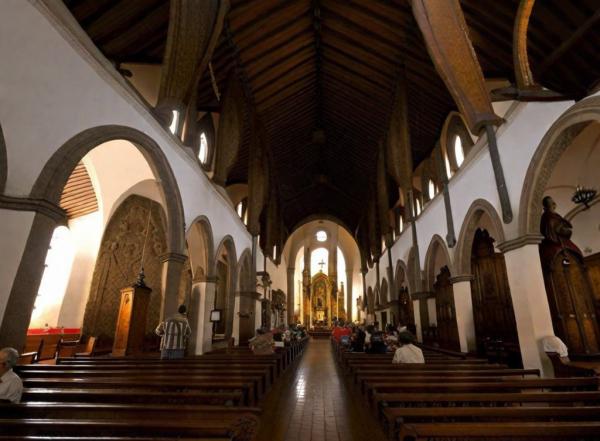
211	397
452	397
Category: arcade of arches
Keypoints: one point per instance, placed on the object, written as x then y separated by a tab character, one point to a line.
406	162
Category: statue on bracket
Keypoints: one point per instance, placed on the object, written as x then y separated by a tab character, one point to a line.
568	286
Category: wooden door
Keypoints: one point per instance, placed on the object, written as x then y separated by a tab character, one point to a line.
492	303
446	311
406	316
571	299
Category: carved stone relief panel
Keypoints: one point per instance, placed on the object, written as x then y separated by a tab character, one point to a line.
136	222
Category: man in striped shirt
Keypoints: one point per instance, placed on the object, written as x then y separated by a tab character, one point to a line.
174	333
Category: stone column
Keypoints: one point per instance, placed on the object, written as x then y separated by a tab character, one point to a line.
349	275
290	295
26	283
170	280
423	311
463	304
201	303
529	299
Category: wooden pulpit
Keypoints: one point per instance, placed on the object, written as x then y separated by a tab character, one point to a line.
131	323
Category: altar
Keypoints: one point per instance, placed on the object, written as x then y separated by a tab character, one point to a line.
322	303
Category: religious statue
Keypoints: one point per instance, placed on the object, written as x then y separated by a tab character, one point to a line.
569	290
557	233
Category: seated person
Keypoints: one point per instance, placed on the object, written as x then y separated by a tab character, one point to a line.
262	343
407	352
377	345
11	386
554	344
340	331
357	342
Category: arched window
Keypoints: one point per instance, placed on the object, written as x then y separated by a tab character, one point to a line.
417	206
321	236
242	210
203	152
274	252
174	122
459	152
401	224
431	189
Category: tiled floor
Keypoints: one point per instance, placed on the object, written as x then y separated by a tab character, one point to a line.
313	403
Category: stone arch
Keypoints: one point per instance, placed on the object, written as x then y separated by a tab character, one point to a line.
201	247
413	271
3	163
472	220
384	292
244	279
437	247
48	188
56	172
227	245
401	278
556	140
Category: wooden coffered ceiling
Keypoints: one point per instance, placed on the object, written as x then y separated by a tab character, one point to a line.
322	75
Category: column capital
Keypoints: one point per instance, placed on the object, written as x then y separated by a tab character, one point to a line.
173	257
423	295
202	278
461	278
41	206
519	242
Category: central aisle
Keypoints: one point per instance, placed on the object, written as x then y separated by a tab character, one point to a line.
311	402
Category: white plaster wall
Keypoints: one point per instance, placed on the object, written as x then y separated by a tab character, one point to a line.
14	232
52	70
86	232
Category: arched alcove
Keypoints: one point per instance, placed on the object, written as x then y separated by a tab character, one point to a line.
49	187
225	267
481	214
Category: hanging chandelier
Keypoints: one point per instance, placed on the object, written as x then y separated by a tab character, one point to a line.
583	196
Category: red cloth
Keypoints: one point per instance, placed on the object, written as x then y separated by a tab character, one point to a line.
338	332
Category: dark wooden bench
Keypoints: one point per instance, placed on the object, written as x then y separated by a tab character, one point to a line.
397	416
246	385
126	395
548	430
177	429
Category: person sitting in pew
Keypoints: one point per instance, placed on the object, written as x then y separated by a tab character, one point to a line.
407	352
174	333
262	343
11	386
552	343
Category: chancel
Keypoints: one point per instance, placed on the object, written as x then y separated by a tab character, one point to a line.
254	220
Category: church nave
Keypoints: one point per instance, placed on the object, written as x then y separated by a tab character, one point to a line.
312	402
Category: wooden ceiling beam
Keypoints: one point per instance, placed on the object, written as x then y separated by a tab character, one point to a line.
293	67
284	90
271	60
343	58
566	44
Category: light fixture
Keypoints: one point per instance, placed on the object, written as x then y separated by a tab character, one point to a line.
583	196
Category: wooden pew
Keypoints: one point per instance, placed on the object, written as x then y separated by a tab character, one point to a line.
548	430
134	383
126	395
177	429
231	418
396	417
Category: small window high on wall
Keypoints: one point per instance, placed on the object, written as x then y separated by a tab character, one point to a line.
431	189
54	279
174	122
459	152
203	152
